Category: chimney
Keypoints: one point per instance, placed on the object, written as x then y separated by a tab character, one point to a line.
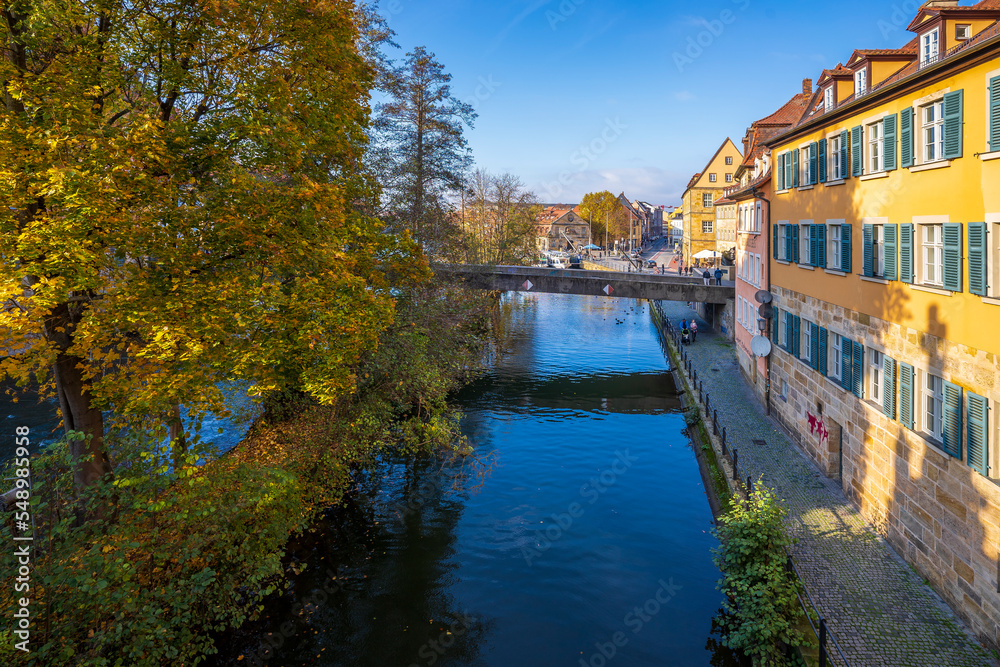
807	86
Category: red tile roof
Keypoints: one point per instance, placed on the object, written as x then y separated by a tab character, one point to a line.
694	179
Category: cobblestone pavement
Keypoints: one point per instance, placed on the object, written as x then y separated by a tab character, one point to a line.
880	611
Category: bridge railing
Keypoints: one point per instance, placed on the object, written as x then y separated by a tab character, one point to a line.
830	652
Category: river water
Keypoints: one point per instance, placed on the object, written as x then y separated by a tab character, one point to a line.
587	543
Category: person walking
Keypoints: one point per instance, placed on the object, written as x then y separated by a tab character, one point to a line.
684	324
718	276
694	331
707	276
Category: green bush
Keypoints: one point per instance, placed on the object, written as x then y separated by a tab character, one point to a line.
762	614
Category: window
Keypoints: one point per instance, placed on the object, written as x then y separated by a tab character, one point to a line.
933	134
729	178
993	259
828	98
835	158
706	226
933	256
833	251
962	31
783	329
933	391
706	199
712	178
729	160
805	243
784	242
804	175
929	48
876	382
876	147
836	356
878	251
805	341
860	82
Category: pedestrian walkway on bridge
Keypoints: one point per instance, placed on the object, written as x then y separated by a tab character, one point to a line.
878	608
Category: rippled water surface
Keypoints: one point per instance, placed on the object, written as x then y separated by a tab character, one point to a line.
587	544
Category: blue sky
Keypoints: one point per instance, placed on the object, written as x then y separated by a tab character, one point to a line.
630	95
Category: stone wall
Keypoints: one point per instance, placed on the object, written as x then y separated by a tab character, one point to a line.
942	516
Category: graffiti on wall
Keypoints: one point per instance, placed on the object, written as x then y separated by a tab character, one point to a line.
817	427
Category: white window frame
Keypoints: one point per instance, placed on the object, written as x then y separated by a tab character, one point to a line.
835	355
729	178
993	258
805	340
828	98
805	243
834	232
833	168
930	47
932	405
932	132
707	200
729	159
876	383
783	329
931	254
713	178
878	250
861	82
963	35
707	226
875	147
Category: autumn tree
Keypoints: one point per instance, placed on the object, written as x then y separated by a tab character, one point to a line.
607	214
177	183
498	217
420	152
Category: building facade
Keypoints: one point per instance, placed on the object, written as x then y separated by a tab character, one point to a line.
699	199
560	228
885	269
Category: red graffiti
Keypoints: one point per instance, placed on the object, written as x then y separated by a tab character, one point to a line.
816	427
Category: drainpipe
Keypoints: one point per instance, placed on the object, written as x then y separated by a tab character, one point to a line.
767	286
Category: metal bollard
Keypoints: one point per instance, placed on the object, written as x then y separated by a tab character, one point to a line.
822	642
749	485
736	463
715	422
724	441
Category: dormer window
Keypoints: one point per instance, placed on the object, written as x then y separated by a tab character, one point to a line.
860	82
962	32
828	98
929	47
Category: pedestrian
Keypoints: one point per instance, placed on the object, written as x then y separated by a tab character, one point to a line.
694	331
707	276
718	276
684	324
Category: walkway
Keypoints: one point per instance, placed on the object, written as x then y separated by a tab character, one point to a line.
880	611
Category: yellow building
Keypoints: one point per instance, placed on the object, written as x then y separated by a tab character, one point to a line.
698	202
885	266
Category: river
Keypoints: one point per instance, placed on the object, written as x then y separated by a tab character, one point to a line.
587	543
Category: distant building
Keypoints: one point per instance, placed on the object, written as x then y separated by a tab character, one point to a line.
559	227
699	199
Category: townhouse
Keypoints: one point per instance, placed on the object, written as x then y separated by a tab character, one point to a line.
885	270
699	199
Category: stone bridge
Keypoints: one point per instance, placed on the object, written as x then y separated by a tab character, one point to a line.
589	283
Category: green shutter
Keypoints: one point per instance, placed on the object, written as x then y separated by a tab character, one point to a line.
906	253
951	423
888	387
846	364
788	243
856	161
813	245
845	248
823	350
978	433
889	135
789	333
775	323
774	241
796	335
779	173
953	103
858	370
890	232
820	231
906	395
906	137
953	256
795	243
977	258
844	162
821	160
814	346
869	261
788	170
994	119
813	167
795	167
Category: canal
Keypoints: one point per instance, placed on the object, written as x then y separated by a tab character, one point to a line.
587	542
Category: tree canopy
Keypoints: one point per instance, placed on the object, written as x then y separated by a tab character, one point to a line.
177	190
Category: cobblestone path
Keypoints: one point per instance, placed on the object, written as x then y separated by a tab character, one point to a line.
878	608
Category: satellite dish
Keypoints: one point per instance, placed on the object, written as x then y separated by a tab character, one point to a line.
760	346
766	311
763	296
